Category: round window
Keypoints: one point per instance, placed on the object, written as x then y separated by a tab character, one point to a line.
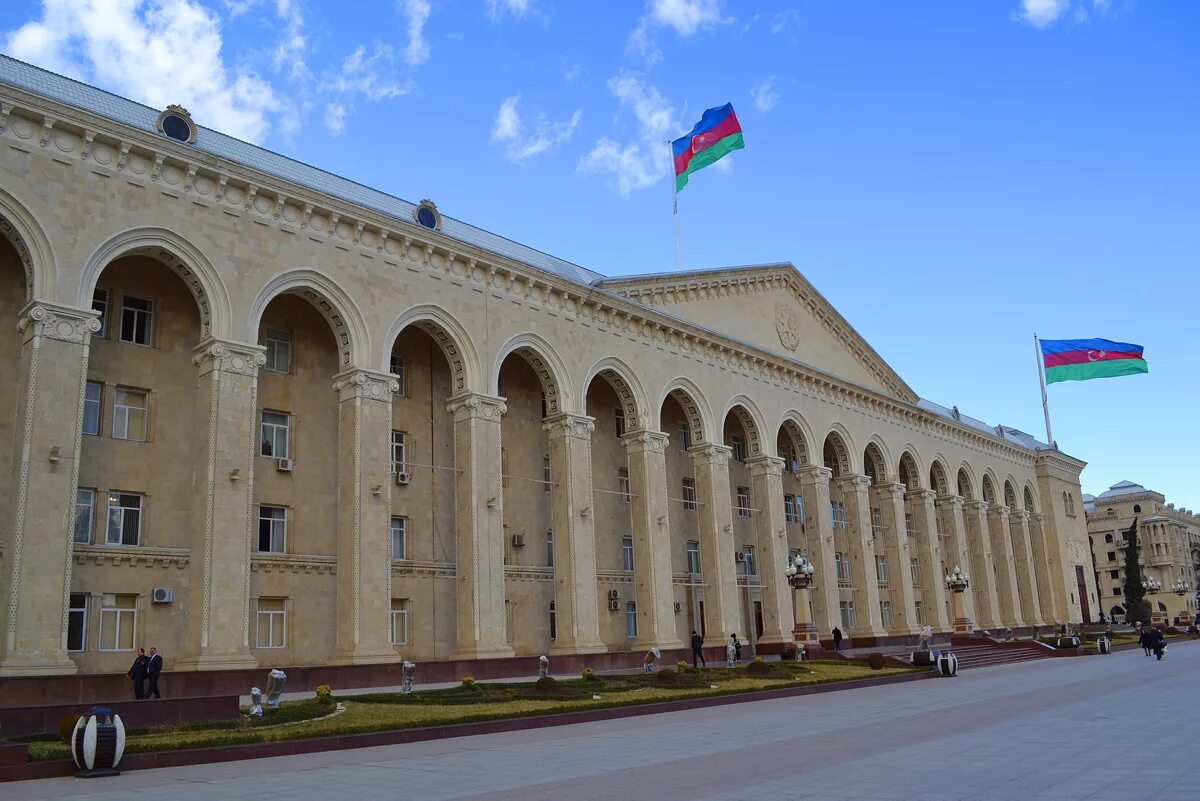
426	217
176	127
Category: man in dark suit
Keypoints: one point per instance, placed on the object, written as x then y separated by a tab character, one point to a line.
154	667
138	673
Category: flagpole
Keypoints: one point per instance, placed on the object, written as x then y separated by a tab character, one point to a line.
1037	355
675	207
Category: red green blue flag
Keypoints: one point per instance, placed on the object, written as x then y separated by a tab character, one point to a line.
717	134
1081	359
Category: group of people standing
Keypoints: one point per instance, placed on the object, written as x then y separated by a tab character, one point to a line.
146	669
1153	641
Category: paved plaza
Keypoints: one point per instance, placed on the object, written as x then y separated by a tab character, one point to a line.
1049	729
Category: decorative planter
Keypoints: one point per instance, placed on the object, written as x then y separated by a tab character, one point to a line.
1103	646
947	664
97	743
923	658
1067	642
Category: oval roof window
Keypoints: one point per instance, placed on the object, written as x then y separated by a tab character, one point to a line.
426	214
175	122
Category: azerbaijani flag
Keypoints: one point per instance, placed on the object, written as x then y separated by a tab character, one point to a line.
1081	359
717	134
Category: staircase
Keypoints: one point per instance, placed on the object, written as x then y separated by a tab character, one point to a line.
979	653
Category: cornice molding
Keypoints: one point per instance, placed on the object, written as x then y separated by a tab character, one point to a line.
132	555
293	563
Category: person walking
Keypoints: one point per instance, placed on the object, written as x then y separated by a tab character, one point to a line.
137	672
1144	640
837	639
737	648
698	650
154	666
1158	642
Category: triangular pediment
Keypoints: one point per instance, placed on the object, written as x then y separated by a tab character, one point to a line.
773	307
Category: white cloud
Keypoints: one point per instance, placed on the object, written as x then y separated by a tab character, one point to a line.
497	8
417	12
291	50
641	42
785	19
157	52
685	16
1041	13
764	95
523	141
363	74
643	161
335	118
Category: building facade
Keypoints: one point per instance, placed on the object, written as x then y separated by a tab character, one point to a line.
1168	549
260	414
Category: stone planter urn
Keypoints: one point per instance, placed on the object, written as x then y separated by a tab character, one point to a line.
947	664
97	743
1067	642
922	658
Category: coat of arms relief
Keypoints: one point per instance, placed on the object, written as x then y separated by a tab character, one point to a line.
787	326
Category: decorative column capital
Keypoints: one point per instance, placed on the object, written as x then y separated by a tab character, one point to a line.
1036	517
814	474
890	491
575	426
58	321
476	405
644	440
853	483
228	356
711	453
952	501
764	465
359	382
1019	515
997	511
975	506
921	495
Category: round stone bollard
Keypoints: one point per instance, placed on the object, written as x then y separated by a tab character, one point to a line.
1103	646
97	743
543	667
947	664
255	703
406	676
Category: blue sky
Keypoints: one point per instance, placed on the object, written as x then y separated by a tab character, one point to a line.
953	176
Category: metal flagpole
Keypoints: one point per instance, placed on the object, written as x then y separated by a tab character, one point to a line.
1037	350
675	207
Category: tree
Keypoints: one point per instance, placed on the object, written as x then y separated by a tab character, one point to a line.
1137	608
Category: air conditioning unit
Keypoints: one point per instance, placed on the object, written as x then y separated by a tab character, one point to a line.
614	605
162	595
284	465
518	540
739	557
403	478
614	595
678	607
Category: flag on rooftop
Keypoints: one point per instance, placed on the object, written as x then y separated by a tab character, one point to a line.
717	134
1082	359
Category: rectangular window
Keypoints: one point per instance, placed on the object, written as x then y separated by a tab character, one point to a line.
693	556
881	572
279	350
398	368
1112	556
914	569
876	522
129	415
885	612
272	529
399	621
85	511
689	494
919	609
739	447
1116	591
630	619
275	434
743	501
92	395
788	454
748	560
549	549
627	553
399	538
137	315
849	619
619	420
553	623
504	468
546	481
118	622
908	524
77	619
841	563
837	511
684	434
399	452
545	410
272	623
100	306
623	484
789	509
1114	574
124	519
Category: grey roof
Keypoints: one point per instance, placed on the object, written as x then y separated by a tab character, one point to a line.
1006	433
1123	488
127	112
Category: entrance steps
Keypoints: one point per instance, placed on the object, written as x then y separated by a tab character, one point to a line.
978	653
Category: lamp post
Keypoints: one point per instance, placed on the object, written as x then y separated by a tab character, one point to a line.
1152	587
1180	588
799	572
957	582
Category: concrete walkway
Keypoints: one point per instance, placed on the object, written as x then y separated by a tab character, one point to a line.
1049	729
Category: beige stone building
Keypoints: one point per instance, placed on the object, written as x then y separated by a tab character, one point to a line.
258	414
1168	546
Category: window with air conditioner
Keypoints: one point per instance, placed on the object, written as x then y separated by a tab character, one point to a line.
748	560
274	437
399	452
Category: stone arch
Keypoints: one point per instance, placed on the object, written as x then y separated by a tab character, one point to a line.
908	471
625	383
939	479
988	488
966	483
334	304
1010	494
695	408
1030	499
836	451
750	417
797	430
546	364
21	228
450	336
875	461
182	257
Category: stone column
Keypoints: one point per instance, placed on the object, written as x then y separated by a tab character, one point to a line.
897	549
1048	600
1027	583
481	626
364	574
855	494
766	482
226	438
1005	564
721	615
983	575
818	534
576	592
38	535
652	576
950	510
927	547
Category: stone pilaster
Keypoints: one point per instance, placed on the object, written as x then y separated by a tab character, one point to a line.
951	519
1048	599
1006	573
855	494
1027	582
818	531
896	548
766	482
364	575
37	551
721	617
225	444
575	589
983	574
481	625
646	451
927	546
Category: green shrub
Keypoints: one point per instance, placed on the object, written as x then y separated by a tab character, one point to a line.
325	695
875	661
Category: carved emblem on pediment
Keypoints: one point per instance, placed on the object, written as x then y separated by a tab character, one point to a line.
787	325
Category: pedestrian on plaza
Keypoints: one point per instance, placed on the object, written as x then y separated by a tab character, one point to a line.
698	650
1158	642
737	648
154	666
137	672
1144	640
837	639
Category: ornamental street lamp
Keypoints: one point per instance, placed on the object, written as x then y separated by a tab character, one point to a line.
799	572
1153	586
957	582
1180	588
